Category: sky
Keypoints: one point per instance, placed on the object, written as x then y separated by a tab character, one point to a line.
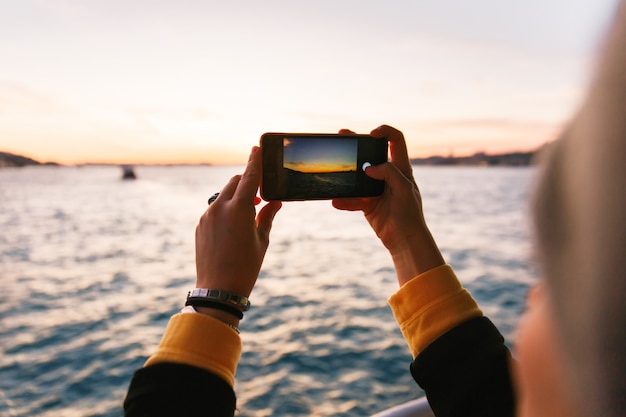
306	155
199	81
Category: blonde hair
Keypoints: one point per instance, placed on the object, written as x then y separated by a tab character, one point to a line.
580	227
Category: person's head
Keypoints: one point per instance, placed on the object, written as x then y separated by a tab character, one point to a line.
571	346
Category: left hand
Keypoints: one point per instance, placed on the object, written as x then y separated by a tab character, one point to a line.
231	240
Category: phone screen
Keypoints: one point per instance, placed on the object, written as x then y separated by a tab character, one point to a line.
319	166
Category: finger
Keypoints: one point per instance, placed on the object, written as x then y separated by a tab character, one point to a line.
251	178
349	204
229	189
265	218
397	147
346	132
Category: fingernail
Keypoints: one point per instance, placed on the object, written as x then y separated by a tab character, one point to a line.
257	200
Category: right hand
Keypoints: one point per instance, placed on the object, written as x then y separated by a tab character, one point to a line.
397	216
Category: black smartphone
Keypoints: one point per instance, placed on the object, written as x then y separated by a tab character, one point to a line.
318	166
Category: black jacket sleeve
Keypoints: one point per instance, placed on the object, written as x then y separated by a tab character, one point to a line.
171	389
465	372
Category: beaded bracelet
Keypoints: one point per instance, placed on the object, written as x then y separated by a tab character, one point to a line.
203	302
232	326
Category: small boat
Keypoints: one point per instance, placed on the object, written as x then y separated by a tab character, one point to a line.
415	408
128	173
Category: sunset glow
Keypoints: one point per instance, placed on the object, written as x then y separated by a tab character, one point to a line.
312	167
310	156
200	82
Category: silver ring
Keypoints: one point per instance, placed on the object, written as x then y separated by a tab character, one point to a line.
213	198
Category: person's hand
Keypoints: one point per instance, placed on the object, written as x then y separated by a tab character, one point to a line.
397	216
231	240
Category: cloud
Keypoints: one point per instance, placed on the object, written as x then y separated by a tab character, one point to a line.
185	114
64	8
18	97
488	123
467	136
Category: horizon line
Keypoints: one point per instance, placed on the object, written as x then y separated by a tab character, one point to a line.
111	163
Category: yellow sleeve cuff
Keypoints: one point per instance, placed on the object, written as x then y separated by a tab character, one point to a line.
202	341
429	305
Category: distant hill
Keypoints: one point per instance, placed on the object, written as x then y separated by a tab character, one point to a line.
480	159
12	160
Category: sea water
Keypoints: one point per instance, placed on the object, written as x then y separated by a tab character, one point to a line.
92	267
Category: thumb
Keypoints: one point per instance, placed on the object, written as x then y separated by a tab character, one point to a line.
393	177
387	172
377	172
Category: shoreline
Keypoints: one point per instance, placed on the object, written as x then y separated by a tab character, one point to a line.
9	160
